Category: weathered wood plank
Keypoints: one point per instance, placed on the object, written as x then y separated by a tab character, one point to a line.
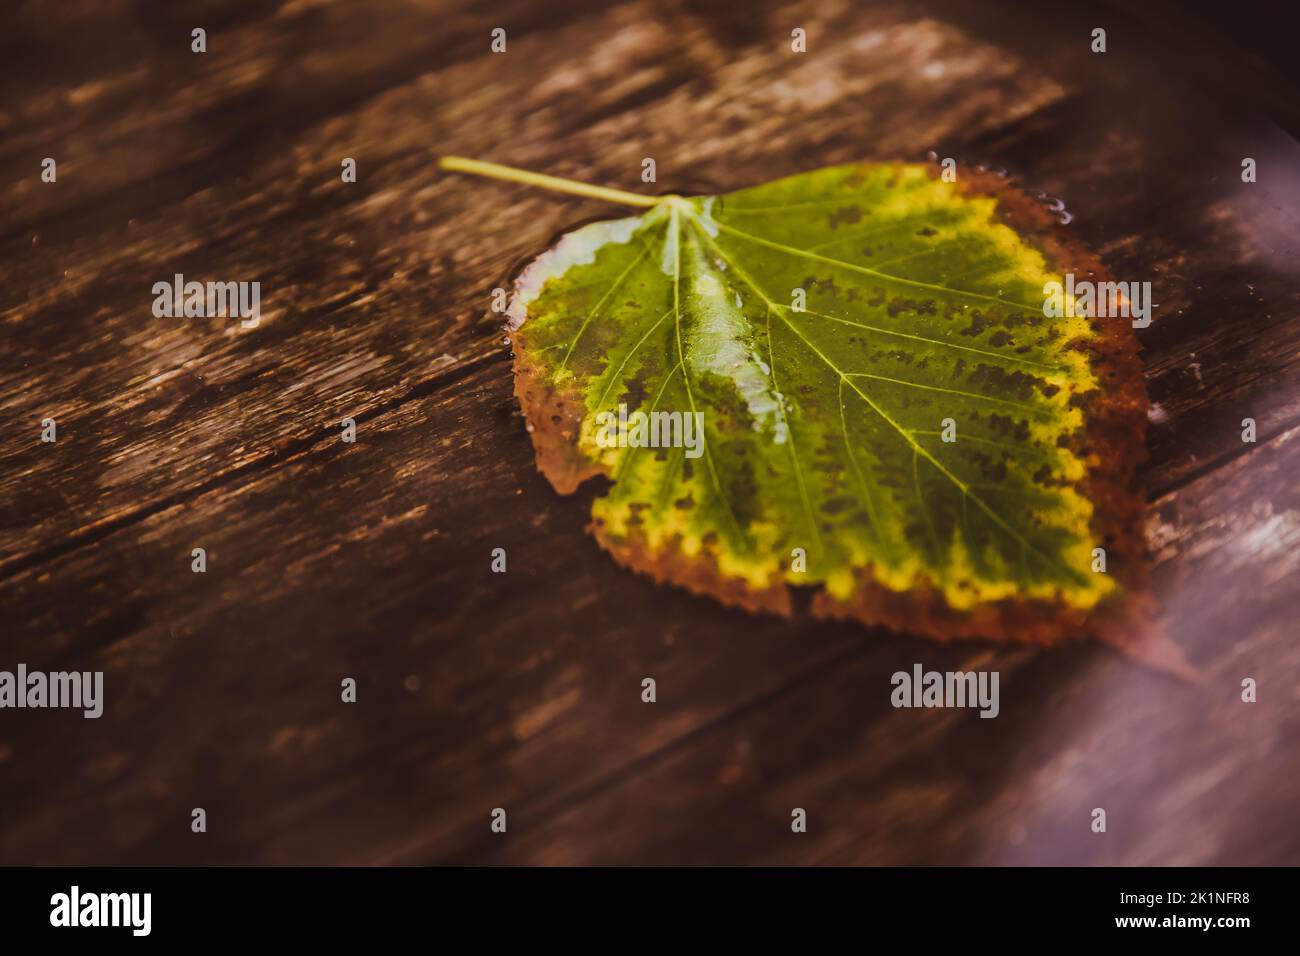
526	685
144	121
1079	729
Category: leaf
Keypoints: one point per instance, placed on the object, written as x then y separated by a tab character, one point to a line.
824	415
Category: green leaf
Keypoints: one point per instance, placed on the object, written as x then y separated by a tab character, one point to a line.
833	328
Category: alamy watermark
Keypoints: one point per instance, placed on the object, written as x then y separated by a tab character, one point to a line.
75	689
206	300
624	429
923	688
1087	299
75	908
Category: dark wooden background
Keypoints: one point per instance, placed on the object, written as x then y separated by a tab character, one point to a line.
371	560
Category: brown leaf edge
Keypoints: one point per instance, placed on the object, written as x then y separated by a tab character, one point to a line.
1114	447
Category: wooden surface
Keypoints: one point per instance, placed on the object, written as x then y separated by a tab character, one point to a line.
371	560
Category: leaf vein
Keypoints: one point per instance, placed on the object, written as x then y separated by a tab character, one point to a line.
930	286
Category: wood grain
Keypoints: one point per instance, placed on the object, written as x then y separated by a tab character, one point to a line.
371	560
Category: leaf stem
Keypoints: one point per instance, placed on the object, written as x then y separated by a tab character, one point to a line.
478	167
